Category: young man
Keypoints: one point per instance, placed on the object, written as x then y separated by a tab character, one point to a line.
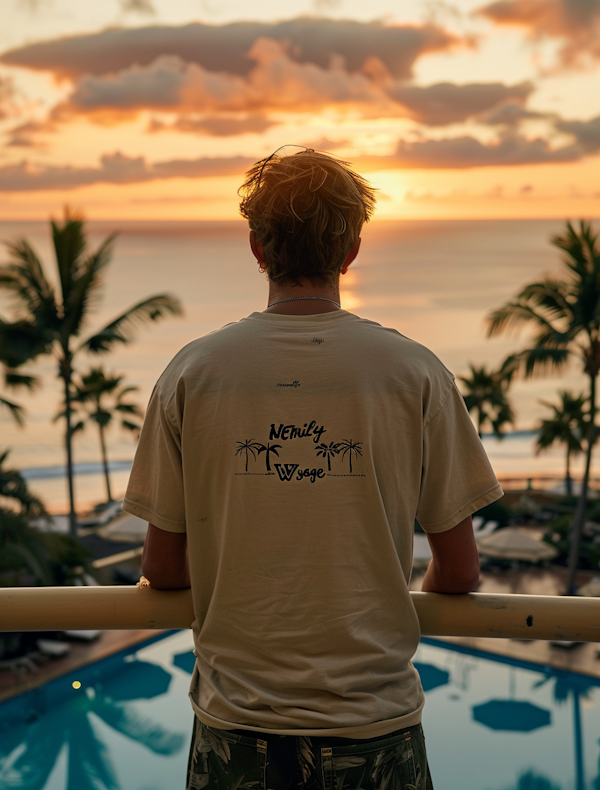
283	461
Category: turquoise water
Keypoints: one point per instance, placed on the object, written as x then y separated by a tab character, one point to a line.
490	724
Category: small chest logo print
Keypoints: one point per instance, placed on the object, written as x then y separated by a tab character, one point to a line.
294	383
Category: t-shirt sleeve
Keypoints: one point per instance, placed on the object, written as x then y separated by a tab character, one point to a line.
457	478
155	489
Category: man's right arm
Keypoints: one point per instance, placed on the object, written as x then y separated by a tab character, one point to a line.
454	567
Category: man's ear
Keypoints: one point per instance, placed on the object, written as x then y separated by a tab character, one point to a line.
256	248
350	257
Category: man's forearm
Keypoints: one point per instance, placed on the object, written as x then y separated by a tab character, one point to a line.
165	560
450	583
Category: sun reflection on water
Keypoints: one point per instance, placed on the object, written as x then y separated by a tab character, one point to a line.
348	291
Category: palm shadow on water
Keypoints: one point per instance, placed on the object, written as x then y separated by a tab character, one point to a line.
28	753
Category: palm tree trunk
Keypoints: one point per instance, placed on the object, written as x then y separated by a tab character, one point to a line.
479	422
568	480
576	527
105	463
66	377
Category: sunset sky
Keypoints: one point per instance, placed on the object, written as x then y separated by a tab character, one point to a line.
153	109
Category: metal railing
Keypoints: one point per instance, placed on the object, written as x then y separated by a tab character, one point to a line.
477	614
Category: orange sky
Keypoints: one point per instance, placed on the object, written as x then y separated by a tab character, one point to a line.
150	111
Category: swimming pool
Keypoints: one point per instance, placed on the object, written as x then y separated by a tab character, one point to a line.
490	723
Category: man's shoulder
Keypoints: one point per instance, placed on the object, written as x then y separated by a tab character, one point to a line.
195	354
402	349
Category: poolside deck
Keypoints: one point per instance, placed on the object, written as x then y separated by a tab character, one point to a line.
81	654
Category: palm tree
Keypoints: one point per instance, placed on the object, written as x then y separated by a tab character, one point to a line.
564	313
15	491
100	399
56	317
327	451
268	449
49	558
348	447
486	394
566	426
17	346
249	447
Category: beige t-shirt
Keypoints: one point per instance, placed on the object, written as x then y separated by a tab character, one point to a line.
296	452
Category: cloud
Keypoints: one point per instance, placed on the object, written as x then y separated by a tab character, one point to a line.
586	133
225	48
510	114
326	144
215	126
576	23
451	153
445	103
6	97
24	134
466	152
277	82
115	169
137	7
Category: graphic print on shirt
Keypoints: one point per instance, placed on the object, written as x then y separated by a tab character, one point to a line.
294	466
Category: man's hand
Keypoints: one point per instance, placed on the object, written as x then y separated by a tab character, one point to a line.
164	559
455	564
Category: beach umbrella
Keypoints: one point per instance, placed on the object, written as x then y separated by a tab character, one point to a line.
591	589
512	544
511	715
431	676
185	661
137	680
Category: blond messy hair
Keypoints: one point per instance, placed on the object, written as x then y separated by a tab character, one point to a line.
307	210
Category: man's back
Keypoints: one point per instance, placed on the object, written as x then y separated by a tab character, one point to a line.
296	451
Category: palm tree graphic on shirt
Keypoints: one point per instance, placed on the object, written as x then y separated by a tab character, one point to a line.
350	448
268	448
327	451
249	447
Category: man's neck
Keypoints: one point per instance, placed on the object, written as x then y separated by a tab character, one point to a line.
314	298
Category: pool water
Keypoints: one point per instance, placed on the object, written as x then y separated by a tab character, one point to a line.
490	723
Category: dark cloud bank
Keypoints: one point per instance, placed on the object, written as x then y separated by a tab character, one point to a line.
224	47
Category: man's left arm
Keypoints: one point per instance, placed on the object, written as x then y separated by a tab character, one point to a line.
165	560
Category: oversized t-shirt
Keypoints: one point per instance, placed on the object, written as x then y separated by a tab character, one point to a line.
296	453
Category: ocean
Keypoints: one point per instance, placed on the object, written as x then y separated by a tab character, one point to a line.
434	281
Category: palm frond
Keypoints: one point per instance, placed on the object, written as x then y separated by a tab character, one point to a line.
17	411
582	255
25	279
512	316
22	341
69	245
16	380
550	294
123	328
84	288
541	361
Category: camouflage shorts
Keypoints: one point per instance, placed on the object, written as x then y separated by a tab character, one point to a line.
230	760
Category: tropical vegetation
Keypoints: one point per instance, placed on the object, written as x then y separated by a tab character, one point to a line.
486	394
51	320
563	313
45	558
99	398
566	425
